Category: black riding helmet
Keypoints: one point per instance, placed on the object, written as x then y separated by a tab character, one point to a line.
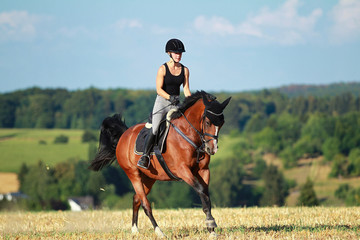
174	45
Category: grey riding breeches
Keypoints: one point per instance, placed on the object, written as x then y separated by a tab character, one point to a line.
161	107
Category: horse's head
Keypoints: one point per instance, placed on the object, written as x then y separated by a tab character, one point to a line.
213	119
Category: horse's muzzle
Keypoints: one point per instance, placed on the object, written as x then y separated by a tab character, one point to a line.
211	147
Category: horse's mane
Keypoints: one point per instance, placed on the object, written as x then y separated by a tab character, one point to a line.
189	101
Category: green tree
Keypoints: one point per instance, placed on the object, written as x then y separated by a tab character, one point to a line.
226	183
256	123
61	139
313	135
331	148
289	157
307	146
307	194
268	140
353	198
36	111
96	182
81	106
276	188
343	103
41	187
354	162
348	132
339	166
260	167
92	150
82	174
116	176
173	195
342	191
89	136
64	173
24	169
8	105
288	127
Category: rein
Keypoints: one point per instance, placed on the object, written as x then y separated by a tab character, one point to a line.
198	149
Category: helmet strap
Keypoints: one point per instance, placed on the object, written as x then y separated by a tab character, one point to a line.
172	58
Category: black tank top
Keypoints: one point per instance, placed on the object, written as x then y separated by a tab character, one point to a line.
172	83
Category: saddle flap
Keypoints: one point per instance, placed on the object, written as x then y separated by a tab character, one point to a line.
159	140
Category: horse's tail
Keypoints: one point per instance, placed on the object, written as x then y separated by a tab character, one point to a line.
111	130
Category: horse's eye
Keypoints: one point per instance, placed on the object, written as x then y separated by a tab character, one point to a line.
207	123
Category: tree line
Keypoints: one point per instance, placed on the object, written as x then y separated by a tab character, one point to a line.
85	109
266	121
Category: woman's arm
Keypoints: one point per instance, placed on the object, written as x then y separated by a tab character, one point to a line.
160	82
186	86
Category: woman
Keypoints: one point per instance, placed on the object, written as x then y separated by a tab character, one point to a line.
170	76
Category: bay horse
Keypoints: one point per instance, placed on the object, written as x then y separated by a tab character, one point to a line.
192	138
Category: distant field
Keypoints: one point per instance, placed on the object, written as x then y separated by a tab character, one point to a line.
23	145
237	223
9	182
314	168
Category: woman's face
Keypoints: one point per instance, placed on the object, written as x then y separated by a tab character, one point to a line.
176	56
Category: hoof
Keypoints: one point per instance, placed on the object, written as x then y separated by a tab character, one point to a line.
213	235
134	230
159	233
211	223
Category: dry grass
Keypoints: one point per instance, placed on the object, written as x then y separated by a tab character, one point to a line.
240	223
9	182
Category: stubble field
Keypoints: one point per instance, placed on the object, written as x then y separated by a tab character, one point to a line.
239	223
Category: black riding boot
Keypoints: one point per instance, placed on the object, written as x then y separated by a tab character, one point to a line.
144	161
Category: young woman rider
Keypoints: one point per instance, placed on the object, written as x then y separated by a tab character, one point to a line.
170	76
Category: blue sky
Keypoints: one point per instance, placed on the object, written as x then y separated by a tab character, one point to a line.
230	45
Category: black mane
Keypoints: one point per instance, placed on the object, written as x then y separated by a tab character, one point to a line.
189	101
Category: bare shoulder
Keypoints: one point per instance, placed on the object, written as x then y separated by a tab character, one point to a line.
186	70
161	70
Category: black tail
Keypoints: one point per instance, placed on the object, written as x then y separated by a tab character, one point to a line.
111	130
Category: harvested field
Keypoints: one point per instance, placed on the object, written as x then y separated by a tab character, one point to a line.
239	223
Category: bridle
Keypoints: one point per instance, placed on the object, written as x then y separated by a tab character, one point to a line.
201	134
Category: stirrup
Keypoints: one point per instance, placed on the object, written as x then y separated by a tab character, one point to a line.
142	161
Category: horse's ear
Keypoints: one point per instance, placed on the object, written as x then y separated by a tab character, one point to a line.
205	100
225	103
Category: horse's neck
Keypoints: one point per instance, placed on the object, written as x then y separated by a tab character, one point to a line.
194	114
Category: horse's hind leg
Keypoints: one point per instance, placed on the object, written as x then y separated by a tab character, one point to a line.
136	206
137	203
142	187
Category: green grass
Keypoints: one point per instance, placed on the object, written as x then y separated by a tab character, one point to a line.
23	145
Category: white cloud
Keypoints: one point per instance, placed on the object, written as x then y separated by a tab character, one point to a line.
214	25
283	25
17	25
346	16
128	23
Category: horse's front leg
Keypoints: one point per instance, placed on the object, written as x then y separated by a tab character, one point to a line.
200	183
203	176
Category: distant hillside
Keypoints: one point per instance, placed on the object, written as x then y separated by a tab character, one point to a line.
85	109
320	90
